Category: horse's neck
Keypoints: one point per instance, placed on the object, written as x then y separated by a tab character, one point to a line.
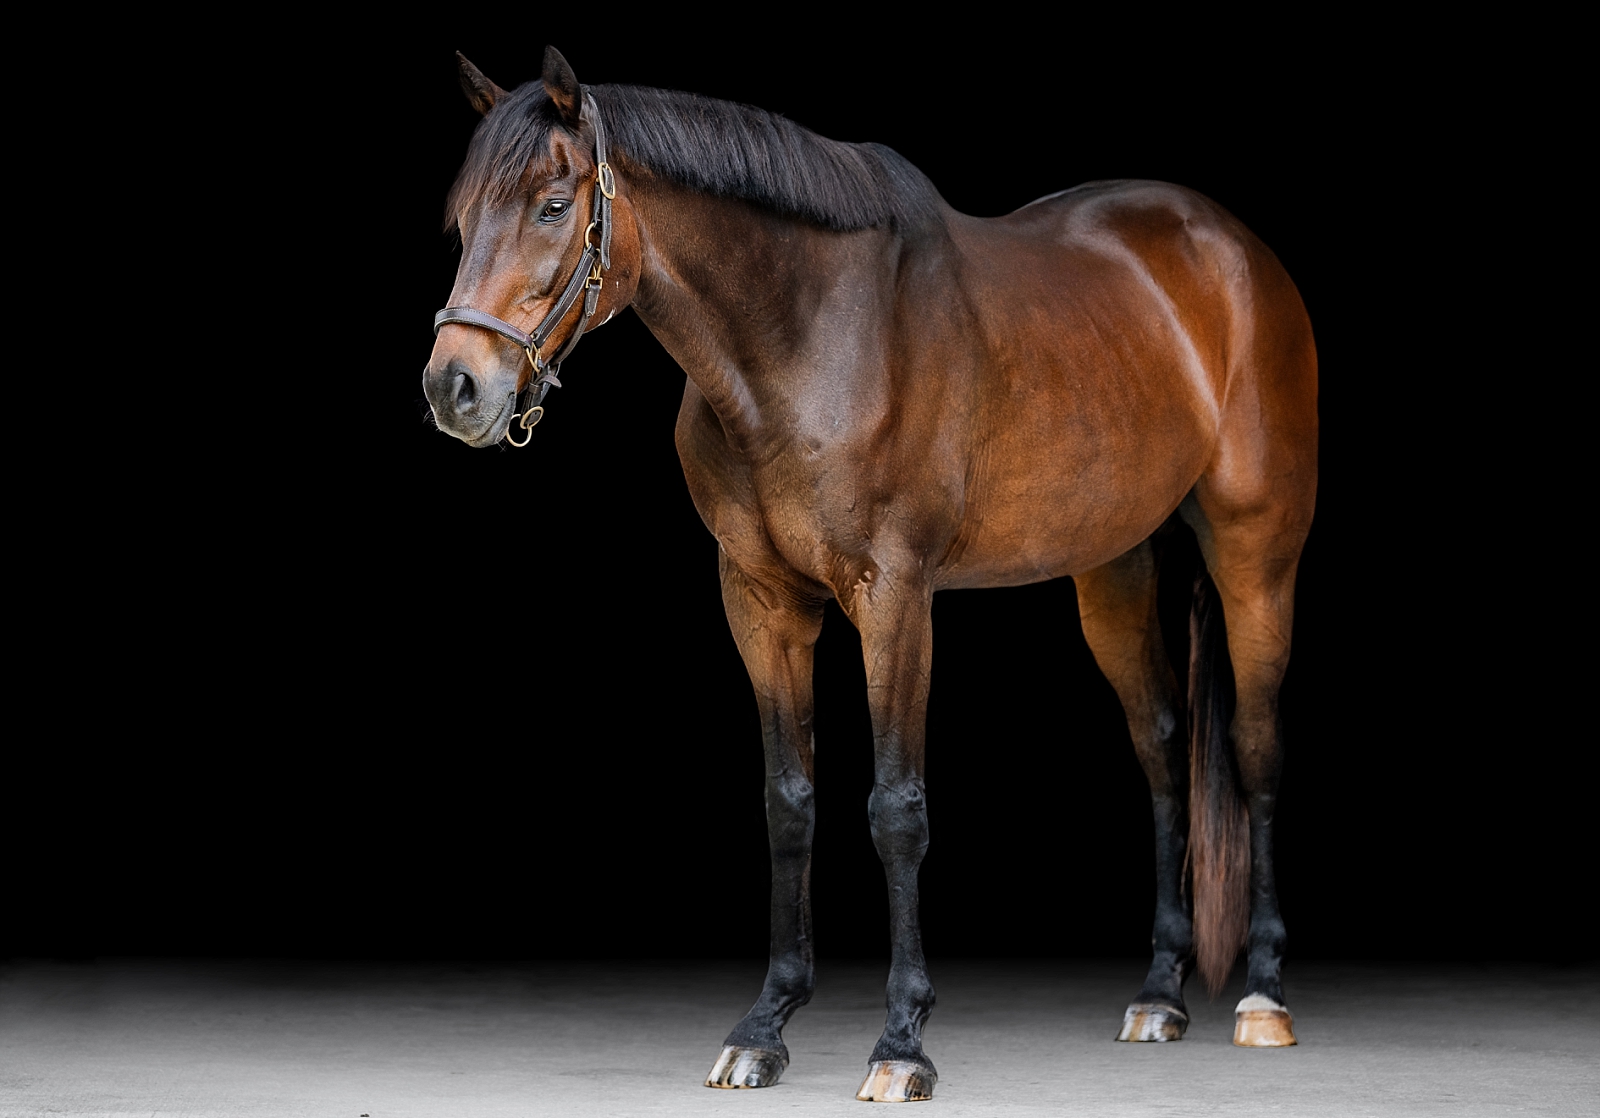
742	298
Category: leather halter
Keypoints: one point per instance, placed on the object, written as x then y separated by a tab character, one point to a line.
588	279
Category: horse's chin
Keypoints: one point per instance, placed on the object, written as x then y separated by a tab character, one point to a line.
487	436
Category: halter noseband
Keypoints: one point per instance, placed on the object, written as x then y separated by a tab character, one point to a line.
588	279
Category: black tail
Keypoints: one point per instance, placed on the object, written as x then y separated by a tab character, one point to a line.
1219	827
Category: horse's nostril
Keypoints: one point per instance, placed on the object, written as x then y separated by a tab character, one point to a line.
466	391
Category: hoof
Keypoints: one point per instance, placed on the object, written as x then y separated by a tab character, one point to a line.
747	1067
1262	1023
897	1081
1153	1022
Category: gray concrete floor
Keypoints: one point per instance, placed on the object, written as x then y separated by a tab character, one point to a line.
1014	1038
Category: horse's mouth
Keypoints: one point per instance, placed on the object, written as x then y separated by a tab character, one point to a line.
497	429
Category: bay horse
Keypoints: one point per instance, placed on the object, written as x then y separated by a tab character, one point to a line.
887	398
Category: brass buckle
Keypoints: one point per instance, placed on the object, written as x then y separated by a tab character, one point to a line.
601	174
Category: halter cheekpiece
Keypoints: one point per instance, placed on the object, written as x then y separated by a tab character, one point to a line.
588	279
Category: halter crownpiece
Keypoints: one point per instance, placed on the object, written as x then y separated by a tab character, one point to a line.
588	279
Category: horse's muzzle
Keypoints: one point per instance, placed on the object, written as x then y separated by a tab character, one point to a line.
475	408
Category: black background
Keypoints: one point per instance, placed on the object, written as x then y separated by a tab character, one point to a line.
369	693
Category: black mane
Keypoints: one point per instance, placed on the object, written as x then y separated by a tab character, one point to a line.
722	148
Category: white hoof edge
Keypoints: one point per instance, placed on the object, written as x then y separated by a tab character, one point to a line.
1260	1022
1155	1023
746	1067
897	1081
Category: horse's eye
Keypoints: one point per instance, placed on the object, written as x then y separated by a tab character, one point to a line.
554	210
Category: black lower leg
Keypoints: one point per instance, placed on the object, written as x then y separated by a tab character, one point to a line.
791	819
1172	937
898	812
1267	935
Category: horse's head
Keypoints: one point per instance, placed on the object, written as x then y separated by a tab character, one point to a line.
528	206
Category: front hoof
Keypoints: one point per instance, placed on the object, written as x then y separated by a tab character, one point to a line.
1262	1023
898	1081
1153	1023
747	1067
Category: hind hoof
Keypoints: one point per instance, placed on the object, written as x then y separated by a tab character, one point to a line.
1262	1023
1153	1023
898	1081
747	1067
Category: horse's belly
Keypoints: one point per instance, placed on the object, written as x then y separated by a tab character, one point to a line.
1054	547
1059	494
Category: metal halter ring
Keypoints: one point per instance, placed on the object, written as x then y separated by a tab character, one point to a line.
528	424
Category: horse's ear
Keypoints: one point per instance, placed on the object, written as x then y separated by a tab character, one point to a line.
482	92
562	86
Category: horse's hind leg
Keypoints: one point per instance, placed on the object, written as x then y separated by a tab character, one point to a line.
776	635
1251	511
1117	603
1252	551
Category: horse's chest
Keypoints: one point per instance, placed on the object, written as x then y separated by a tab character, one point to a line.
798	513
809	516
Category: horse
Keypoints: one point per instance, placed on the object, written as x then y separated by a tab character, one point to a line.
886	398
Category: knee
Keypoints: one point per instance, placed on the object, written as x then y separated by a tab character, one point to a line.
791	794
898	813
791	810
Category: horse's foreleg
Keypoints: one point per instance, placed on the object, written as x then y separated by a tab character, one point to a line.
1117	603
895	619
776	634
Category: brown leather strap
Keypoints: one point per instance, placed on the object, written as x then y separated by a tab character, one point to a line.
469	317
535	341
